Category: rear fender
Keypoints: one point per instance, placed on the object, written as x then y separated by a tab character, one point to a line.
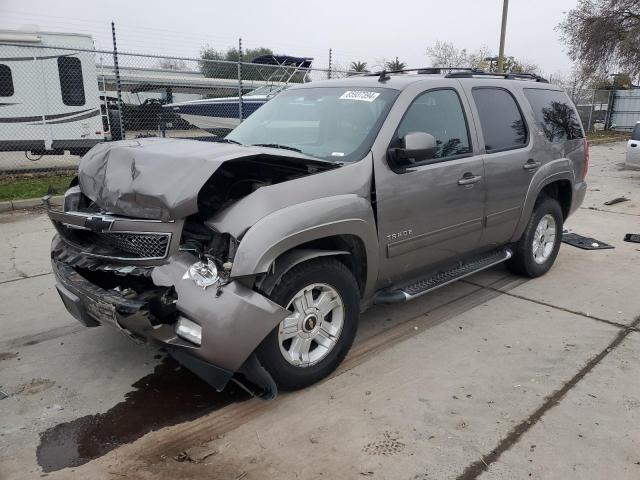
553	171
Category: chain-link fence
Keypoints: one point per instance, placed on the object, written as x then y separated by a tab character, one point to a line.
56	102
593	107
608	109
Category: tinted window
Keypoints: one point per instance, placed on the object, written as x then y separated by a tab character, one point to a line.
554	114
635	135
334	123
439	113
71	84
6	81
503	127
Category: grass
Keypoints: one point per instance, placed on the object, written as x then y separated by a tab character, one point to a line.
605	136
16	187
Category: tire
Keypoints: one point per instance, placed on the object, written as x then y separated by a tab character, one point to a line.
115	121
526	261
335	290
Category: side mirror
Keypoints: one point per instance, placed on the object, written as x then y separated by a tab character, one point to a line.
415	147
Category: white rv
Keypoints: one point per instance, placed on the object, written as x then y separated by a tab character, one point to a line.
49	98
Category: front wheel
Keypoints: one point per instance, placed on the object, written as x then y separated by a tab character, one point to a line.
538	247
323	300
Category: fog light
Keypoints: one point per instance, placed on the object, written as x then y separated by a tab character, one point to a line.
203	273
189	330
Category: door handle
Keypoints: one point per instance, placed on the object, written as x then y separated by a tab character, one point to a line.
469	179
531	164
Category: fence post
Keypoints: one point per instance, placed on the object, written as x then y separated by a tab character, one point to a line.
118	86
240	106
593	100
607	121
329	73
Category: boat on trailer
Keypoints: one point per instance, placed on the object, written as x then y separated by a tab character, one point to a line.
212	114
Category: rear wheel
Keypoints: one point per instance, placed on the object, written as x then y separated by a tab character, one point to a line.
538	247
323	300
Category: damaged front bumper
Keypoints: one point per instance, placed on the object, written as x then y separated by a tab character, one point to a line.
233	318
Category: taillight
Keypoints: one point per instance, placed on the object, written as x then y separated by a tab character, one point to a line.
586	158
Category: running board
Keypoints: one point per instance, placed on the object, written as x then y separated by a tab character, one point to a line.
442	278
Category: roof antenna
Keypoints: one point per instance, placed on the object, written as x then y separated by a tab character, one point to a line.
383	76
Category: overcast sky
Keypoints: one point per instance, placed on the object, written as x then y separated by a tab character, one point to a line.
356	30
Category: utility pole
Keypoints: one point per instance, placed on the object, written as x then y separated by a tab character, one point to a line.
503	31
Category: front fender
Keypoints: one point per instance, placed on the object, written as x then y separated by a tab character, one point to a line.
553	171
292	226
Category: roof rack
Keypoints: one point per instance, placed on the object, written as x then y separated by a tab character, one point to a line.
457	72
507	75
384	74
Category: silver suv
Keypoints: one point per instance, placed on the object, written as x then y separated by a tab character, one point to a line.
252	257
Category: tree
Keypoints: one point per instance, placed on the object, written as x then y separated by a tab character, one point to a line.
212	64
603	35
512	64
357	66
447	55
394	65
172	64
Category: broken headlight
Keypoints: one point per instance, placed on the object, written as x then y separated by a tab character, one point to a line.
204	273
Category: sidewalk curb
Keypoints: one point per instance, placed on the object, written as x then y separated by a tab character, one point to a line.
28	203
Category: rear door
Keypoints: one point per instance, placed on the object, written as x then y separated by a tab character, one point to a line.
508	160
432	213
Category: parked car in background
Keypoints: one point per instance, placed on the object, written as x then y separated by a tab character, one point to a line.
633	148
253	258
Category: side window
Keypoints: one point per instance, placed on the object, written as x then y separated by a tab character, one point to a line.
438	112
554	114
6	81
503	126
635	135
71	82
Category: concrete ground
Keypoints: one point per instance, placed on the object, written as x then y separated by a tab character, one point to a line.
493	377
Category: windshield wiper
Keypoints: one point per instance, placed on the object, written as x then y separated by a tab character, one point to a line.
277	145
224	140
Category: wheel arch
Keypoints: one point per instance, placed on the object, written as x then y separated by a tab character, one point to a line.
344	227
558	185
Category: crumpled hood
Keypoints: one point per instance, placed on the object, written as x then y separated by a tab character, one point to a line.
155	178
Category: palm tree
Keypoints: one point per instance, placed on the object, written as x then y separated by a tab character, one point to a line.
358	66
395	65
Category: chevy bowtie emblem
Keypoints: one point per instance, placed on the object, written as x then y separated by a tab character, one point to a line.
98	224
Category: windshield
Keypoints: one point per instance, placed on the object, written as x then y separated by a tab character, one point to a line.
333	123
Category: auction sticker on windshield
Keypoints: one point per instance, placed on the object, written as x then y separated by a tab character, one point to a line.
361	95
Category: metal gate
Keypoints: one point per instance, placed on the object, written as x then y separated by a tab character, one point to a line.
626	109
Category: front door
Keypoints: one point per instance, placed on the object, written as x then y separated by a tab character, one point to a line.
432	213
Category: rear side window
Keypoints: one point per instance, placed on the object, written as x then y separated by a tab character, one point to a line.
635	135
6	81
554	114
503	127
71	84
438	112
